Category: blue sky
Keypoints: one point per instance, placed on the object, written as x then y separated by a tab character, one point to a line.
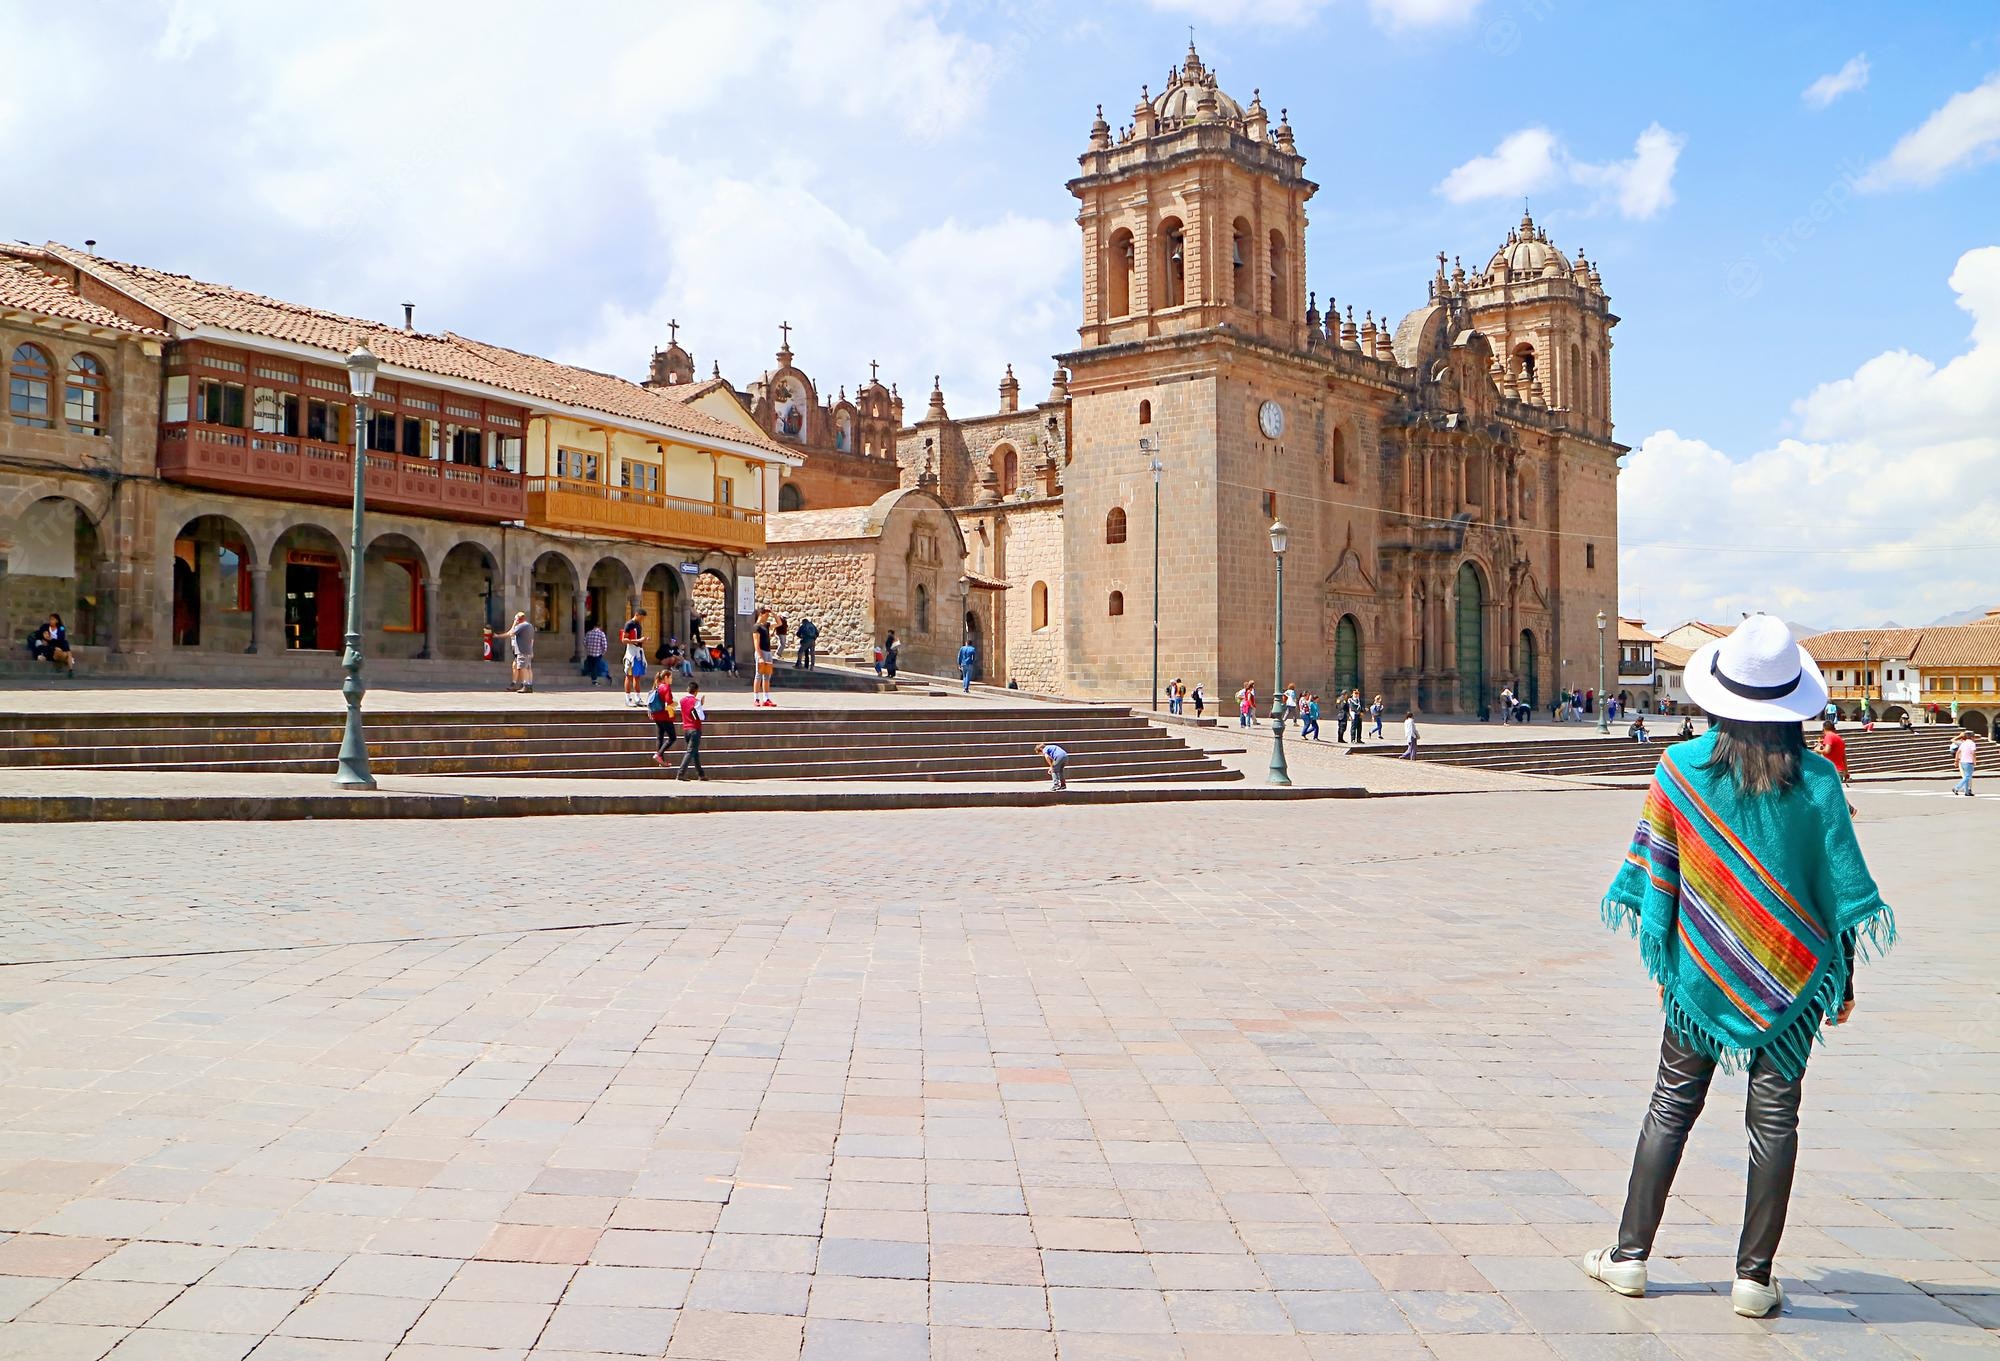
888	176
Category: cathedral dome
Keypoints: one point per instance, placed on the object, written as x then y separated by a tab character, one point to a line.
1528	252
1187	87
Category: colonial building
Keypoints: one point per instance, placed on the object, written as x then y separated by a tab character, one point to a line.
1928	673
197	441
1449	482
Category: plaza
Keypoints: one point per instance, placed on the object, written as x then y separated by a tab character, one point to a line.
1354	1079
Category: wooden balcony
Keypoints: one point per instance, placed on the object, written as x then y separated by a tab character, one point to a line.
290	468
576	504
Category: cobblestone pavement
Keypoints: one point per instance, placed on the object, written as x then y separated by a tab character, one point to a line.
1351	1080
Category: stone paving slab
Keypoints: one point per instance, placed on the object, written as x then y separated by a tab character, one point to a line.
1352	1080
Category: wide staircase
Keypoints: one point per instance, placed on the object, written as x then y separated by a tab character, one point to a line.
897	742
1886	751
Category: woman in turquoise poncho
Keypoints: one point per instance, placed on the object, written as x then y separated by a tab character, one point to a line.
1750	898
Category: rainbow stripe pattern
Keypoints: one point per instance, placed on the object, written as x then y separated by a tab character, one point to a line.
1749	910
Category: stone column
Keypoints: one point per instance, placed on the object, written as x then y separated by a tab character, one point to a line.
430	647
576	625
260	608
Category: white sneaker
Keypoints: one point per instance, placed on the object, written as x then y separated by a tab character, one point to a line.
1627	1278
1758	1301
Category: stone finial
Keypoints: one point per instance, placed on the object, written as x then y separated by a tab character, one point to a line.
1100	131
1010	391
1059	385
1349	334
936	411
1312	311
1283	136
716	370
1457	275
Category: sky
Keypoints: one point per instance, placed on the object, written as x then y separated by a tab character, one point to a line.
1794	207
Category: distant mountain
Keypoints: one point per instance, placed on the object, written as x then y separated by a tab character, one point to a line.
1971	616
1805	630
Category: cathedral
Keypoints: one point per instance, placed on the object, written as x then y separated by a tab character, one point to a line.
1448	482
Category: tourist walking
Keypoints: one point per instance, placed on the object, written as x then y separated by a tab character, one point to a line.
50	643
1750	898
694	717
808	644
1058	763
595	645
890	649
1375	711
1409	736
968	663
520	636
1340	719
660	705
1200	699
1834	748
633	635
765	665
1966	750
1309	728
779	631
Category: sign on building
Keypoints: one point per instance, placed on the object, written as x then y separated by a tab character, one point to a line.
746	595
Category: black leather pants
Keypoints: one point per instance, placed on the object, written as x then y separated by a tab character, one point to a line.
1772	1117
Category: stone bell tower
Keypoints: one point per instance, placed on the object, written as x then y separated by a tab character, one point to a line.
1193	217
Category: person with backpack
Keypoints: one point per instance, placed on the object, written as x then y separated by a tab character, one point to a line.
808	645
890	648
1200	699
694	716
660	705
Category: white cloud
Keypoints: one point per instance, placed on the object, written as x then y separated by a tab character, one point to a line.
1849	78
1895	480
1534	159
1965	131
1393	16
1525	162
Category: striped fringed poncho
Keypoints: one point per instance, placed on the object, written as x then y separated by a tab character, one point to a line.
1749	910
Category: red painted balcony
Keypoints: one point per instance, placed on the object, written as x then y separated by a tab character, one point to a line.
290	468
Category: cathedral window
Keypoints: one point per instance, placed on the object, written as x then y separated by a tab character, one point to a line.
1590	555
1173	263
1007	470
1117	604
1038	605
1239	263
1280	276
1573	379
1118	275
1524	361
1339	456
789	497
1145	413
28	387
923	611
1114	525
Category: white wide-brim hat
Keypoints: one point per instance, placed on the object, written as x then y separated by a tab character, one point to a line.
1757	674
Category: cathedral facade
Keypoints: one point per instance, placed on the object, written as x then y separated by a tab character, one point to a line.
1448	483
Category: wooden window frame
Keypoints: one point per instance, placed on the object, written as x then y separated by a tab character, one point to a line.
30	367
85	374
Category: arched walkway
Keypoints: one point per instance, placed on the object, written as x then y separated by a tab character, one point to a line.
309	575
660	598
395	611
1975	722
214	595
56	565
710	603
610	598
467	600
553	601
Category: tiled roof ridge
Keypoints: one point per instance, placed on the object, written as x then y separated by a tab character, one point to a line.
36	290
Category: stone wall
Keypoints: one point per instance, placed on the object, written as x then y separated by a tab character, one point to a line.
1020	543
832	478
831	582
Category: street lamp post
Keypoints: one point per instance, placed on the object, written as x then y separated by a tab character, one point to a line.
1279	774
1603	713
352	772
1866	681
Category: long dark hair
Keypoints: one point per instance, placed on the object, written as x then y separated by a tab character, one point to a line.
1762	758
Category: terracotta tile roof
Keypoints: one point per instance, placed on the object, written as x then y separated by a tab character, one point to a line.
1844	645
26	288
1968	645
687	392
1992	620
193	303
1634	631
980	581
1671	654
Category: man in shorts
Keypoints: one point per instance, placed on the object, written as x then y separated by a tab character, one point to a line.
521	653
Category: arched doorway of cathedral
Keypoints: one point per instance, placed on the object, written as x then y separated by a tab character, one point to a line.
1346	655
1470	657
660	598
214	586
709	601
1531	671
